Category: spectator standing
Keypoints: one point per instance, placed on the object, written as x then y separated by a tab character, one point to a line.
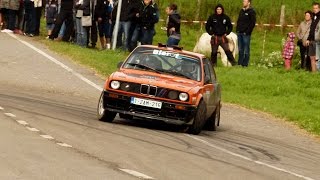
147	18
92	32
219	26
245	25
311	38
38	13
103	17
29	15
288	50
173	25
134	9
20	15
66	16
51	11
124	24
302	35
81	31
9	11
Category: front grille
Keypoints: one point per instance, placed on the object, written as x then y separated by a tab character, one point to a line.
152	90
144	89
147	90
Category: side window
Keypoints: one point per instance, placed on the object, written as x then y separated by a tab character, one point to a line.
207	74
209	71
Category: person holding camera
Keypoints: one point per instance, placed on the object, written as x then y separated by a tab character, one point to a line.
302	35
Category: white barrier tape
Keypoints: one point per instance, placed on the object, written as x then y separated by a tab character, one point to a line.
267	25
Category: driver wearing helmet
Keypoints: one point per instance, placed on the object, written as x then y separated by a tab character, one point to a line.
188	69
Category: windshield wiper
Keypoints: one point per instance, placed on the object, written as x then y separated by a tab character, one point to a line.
145	67
177	74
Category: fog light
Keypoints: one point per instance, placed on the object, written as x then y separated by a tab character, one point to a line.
180	107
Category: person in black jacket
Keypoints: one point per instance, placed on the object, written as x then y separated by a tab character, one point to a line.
51	11
66	16
245	24
219	26
146	18
103	12
173	25
311	42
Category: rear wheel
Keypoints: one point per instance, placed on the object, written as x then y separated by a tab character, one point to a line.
199	119
104	115
214	119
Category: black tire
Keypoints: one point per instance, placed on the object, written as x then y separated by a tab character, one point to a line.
199	119
104	115
213	121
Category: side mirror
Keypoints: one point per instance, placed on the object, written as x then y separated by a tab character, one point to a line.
119	64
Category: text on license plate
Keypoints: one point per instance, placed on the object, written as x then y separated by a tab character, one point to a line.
146	103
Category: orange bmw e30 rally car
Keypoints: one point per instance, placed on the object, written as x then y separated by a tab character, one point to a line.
163	84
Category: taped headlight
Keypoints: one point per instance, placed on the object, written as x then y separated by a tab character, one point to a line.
125	86
115	84
183	96
173	95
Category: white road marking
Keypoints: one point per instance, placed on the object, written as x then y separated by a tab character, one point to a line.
32	129
22	122
64	145
58	63
1	108
47	136
136	174
248	159
10	114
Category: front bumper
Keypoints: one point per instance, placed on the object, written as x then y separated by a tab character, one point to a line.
168	113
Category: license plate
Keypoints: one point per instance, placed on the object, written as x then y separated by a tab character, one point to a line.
146	103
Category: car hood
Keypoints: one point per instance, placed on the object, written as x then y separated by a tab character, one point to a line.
155	79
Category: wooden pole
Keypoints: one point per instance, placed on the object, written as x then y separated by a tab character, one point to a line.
198	10
282	16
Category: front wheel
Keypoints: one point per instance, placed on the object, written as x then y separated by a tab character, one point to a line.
199	119
104	115
214	119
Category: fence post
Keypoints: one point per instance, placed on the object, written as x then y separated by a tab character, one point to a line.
198	10
282	16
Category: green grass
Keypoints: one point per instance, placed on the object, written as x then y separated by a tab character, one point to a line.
268	11
292	95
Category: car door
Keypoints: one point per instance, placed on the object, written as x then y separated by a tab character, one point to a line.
210	85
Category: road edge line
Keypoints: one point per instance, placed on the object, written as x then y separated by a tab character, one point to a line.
57	62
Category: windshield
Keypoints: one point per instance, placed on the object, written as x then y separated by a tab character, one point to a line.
166	62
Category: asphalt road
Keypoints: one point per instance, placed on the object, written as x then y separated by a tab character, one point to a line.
49	130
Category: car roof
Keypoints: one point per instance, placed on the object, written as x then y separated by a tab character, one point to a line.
201	56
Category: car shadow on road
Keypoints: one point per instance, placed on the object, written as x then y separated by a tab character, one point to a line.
159	126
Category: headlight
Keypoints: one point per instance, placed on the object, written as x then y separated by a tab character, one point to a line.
115	84
173	95
183	96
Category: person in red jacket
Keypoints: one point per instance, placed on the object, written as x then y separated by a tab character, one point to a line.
288	50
